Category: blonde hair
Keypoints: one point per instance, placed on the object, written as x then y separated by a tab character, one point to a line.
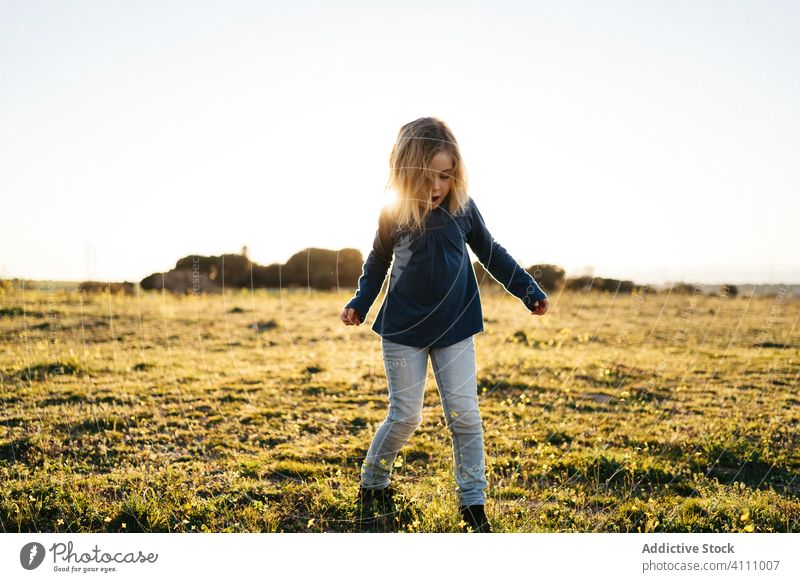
411	177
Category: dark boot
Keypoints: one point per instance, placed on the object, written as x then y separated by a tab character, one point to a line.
475	518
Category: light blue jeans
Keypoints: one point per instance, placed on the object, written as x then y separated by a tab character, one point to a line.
406	371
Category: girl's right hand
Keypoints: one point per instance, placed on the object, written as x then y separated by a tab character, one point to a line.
350	316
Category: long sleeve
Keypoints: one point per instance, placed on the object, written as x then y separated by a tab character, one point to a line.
375	268
499	263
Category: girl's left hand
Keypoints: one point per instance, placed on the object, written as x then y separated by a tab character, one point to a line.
540	307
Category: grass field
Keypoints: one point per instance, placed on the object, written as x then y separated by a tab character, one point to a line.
253	411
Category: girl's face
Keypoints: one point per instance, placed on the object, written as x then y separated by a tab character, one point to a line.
441	166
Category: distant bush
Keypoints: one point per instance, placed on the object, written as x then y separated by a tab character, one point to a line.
231	270
549	277
683	289
586	283
124	288
180	280
323	268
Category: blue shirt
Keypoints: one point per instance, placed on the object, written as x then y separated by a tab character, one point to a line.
433	298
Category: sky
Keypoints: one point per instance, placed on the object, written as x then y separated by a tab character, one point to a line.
644	140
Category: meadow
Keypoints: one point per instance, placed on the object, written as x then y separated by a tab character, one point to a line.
251	411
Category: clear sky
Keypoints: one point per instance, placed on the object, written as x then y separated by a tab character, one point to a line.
648	140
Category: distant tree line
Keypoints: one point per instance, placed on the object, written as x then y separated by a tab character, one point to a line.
326	269
310	268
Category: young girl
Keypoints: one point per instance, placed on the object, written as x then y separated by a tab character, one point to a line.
432	307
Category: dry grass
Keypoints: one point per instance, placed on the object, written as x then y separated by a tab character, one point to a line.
253	411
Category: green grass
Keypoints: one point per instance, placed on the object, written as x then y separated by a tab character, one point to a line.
654	413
